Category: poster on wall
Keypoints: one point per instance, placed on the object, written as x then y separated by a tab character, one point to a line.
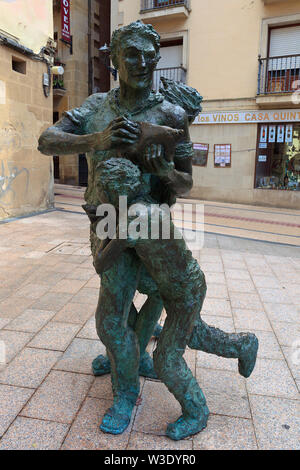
272	134
264	134
200	154
289	134
280	134
222	156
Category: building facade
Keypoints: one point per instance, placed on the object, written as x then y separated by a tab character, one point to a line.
26	45
84	71
243	56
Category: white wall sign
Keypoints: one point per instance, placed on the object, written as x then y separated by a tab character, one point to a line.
248	117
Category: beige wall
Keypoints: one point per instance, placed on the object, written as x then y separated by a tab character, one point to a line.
26	179
29	21
223	40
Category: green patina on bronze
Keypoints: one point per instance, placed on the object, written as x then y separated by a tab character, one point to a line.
145	134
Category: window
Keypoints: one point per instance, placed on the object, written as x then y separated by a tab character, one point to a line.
278	157
284	58
18	65
170	64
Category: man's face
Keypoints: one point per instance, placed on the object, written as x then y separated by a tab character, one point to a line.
137	61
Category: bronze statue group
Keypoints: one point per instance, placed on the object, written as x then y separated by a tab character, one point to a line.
138	145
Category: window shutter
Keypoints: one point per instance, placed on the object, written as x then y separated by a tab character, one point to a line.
285	42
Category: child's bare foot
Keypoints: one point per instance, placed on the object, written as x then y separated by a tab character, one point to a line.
187	426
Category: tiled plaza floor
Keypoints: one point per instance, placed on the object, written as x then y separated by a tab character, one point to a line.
49	398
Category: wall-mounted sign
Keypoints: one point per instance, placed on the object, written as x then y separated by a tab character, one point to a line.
264	134
65	21
272	134
200	154
262	158
280	134
222	157
248	117
289	134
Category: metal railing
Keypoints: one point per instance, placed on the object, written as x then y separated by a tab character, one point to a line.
157	4
278	74
178	74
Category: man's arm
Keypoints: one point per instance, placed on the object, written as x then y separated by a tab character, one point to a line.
63	138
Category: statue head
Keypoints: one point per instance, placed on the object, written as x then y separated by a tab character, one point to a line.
118	177
135	53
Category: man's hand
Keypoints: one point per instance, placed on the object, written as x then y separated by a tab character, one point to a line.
154	161
119	134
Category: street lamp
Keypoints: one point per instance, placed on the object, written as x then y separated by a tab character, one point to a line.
105	50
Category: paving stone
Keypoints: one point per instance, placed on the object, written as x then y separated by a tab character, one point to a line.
53	301
89	330
266	282
158	408
268	295
4	293
85	433
273	378
55	335
226	433
14	306
287	333
12	400
33	434
246	320
216	307
292	357
79	356
86	296
14	342
210	361
225	392
276	422
32	291
235	285
216	278
142	441
84	274
237	274
30	321
4	322
75	313
245	300
223	323
217	291
68	286
282	312
212	267
234	264
59	397
101	388
29	368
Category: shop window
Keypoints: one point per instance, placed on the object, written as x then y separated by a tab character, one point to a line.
278	157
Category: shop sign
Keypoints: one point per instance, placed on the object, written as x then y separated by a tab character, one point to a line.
65	20
248	117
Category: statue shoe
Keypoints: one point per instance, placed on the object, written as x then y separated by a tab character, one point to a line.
248	354
115	422
146	367
187	426
101	365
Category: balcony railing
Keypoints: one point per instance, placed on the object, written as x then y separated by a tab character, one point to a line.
278	74
178	74
157	4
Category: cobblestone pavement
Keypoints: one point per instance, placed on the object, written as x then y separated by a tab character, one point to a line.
49	398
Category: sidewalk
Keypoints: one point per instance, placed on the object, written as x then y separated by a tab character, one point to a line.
49	398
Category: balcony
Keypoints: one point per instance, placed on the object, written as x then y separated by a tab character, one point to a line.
157	9
278	78
58	81
178	74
